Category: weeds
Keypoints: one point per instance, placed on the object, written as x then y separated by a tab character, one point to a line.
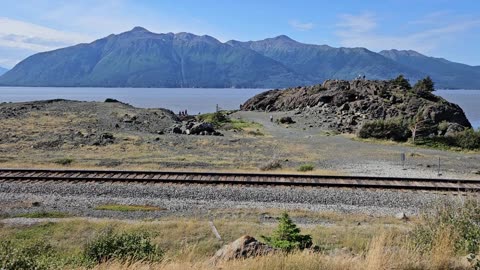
44	214
123	247
306	167
64	161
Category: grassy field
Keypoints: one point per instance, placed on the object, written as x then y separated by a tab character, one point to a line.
345	241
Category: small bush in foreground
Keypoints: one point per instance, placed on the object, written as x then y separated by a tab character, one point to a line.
64	161
14	257
123	247
306	168
394	129
287	236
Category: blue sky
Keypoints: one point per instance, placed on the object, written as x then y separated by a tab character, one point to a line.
449	29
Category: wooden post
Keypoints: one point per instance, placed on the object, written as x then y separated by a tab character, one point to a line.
214	230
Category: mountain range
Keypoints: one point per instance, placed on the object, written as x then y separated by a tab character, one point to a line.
140	58
3	70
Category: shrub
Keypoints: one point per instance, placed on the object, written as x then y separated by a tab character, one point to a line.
306	167
394	129
424	85
123	247
467	139
443	126
217	118
14	257
402	82
462	217
287	236
64	161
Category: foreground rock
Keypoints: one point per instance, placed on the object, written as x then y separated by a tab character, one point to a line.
193	127
345	106
242	248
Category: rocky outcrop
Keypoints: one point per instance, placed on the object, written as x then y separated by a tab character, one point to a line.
192	127
242	248
345	105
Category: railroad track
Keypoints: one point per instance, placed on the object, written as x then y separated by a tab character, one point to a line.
31	175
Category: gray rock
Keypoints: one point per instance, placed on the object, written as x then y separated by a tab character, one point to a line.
242	248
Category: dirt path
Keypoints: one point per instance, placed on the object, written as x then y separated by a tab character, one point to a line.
343	154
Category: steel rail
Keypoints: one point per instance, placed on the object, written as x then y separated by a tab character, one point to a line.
233	178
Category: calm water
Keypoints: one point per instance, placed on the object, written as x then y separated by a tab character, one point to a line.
469	100
193	99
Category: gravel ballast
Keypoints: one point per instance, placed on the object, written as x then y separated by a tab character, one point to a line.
80	199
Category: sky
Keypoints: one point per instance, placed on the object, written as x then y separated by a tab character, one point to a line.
440	28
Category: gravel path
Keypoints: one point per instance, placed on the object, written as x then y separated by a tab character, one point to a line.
200	200
342	154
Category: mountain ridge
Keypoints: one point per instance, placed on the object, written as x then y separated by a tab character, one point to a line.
3	70
140	58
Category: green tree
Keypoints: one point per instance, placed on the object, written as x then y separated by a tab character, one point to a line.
402	82
287	236
426	85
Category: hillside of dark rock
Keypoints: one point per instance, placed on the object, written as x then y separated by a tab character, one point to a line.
344	106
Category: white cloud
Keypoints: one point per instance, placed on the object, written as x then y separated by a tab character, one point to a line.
360	31
23	35
301	26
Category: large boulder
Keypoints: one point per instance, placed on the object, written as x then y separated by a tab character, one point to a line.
202	128
242	248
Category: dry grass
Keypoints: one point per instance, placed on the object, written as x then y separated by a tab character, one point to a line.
375	243
385	252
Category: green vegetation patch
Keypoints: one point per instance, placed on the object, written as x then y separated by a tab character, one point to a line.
44	215
64	161
125	246
287	236
128	208
221	119
306	167
392	129
465	140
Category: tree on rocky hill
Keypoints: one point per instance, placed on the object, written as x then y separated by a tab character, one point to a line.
425	85
402	82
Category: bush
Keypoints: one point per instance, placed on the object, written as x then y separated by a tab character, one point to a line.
23	257
424	85
217	118
287	236
123	247
64	161
461	217
306	167
394	129
467	140
402	82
